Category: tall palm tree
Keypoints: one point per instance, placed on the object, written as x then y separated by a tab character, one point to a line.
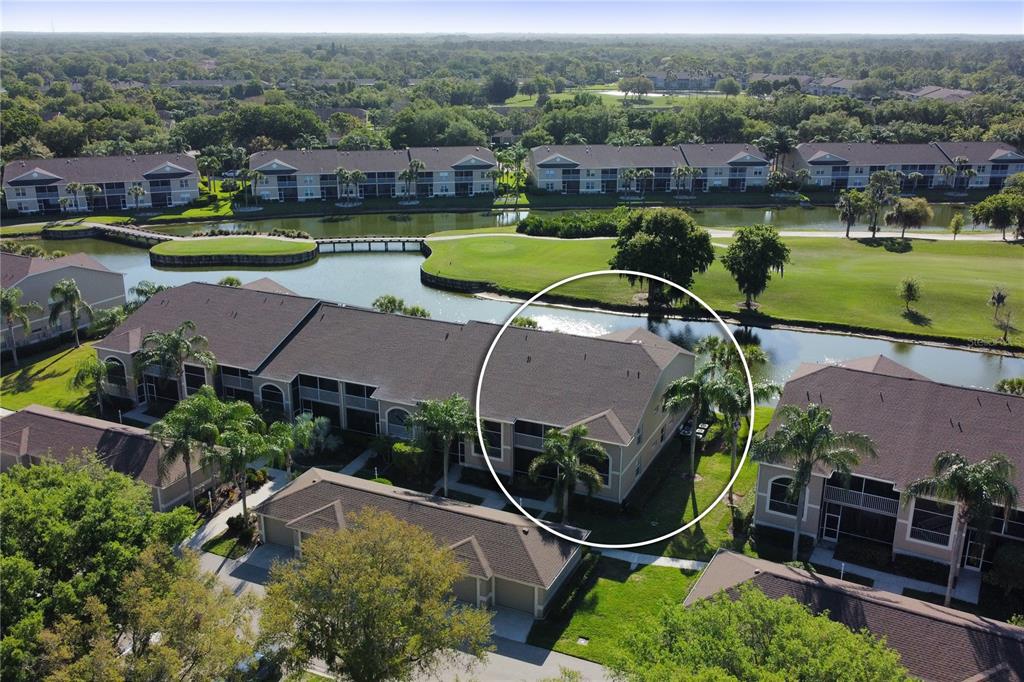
67	298
143	291
518	154
136	192
446	422
691	393
189	432
975	489
628	177
90	191
959	162
90	375
64	203
915	178
356	178
409	178
241	439
949	172
969	175
73	188
805	441
415	168
642	176
568	452
208	165
850	208
16	312
344	177
169	351
679	176
802	176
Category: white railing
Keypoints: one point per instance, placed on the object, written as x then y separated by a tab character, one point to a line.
855	498
355	401
932	536
243	383
329	397
525	440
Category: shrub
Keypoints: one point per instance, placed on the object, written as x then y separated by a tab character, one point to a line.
1006	569
381	479
254	478
410	461
574	224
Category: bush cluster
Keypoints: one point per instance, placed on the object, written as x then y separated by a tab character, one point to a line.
574	224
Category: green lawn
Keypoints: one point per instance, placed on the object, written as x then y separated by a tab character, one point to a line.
832	281
44	381
226	545
474	230
250	246
607	612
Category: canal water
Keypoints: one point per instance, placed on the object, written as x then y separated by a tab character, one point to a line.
420	224
359	278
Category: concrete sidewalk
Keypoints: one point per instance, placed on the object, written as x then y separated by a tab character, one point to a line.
635	559
219	523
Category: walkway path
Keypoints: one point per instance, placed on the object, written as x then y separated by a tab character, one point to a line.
358	463
635	559
219	523
494	499
968	587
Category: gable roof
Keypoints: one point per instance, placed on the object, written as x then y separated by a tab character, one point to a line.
981	152
706	155
243	326
911	419
935	643
488	541
96	168
461	158
268	285
40	432
326	161
606	156
870	153
14	267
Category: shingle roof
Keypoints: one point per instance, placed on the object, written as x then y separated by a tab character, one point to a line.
489	541
912	419
464	157
15	267
547	377
98	168
608	156
328	160
40	431
981	152
268	285
243	326
706	155
870	153
935	643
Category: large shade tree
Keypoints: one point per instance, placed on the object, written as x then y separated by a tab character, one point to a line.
975	488
572	457
909	213
805	441
753	255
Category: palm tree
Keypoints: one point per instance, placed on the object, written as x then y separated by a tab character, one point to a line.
356	178
805	441
628	177
90	375
16	312
67	298
241	439
850	208
64	202
568	452
958	164
208	165
495	176
344	177
446	421
73	188
915	178
169	351
91	191
415	168
975	489
948	172
144	291
518	154
188	431
997	300
136	192
969	175
691	393
802	176
679	176
408	177
252	176
642	176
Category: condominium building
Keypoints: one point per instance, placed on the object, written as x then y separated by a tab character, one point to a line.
911	420
367	371
602	168
312	175
975	165
100	183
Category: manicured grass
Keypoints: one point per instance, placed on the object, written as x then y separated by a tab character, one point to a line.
475	230
19	230
226	545
511	202
44	381
251	246
830	280
607	612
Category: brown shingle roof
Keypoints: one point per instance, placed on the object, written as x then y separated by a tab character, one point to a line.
489	541
709	155
444	158
870	153
609	156
934	643
981	152
328	160
268	285
40	432
99	168
912	419
243	326
15	267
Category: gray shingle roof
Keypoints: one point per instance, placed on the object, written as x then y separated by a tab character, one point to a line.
15	267
40	432
912	419
934	643
489	541
707	155
243	326
464	157
608	156
981	152
98	168
870	153
374	161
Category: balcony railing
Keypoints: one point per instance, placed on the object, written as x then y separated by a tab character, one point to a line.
932	536
359	403
242	383
320	396
854	498
525	440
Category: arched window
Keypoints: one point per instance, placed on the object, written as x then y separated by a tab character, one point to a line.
779	500
271	397
396	423
116	374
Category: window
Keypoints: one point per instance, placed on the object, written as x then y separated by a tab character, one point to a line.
778	497
932	522
195	377
183	184
272	398
396	423
492	436
603	466
355	390
115	372
20	192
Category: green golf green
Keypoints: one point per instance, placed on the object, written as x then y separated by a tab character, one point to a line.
234	246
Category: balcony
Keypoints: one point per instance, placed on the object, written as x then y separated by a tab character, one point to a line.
853	498
241	383
525	440
320	396
368	404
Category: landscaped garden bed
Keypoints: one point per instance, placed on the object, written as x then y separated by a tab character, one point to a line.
880	556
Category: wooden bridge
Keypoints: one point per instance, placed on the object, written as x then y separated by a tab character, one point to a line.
127	234
331	244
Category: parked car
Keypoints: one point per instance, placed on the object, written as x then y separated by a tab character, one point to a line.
687	429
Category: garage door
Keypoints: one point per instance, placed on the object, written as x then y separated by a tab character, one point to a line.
513	595
278	533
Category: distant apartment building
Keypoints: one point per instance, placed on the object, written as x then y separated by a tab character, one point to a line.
101	288
838	165
601	168
311	175
936	92
910	419
801	81
367	372
832	85
682	80
38	185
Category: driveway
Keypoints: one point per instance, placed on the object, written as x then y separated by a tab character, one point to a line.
219	523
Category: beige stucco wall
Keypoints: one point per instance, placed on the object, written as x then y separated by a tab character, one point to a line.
904	544
812	508
276	532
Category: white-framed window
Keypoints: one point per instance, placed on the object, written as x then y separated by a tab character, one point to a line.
981	169
20	192
492	436
931	522
183	184
758	171
549	173
779	500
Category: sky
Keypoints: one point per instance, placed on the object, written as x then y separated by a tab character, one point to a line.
1003	17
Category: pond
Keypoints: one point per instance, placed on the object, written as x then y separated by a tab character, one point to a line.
419	224
359	278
